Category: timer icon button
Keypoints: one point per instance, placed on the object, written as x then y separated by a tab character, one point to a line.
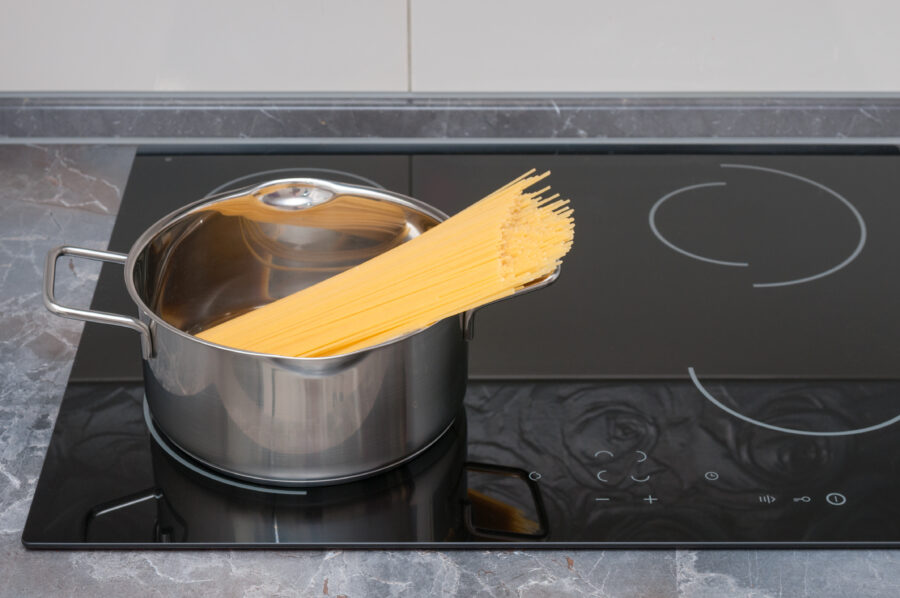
835	499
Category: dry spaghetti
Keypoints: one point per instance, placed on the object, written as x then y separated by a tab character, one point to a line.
486	252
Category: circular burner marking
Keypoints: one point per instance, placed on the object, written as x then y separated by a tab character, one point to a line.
853	255
675	247
756	422
850	206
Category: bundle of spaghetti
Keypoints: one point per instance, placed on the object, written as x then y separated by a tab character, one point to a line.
486	252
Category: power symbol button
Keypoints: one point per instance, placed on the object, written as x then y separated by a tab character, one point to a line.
835	498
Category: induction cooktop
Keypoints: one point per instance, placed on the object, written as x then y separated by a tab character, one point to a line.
718	365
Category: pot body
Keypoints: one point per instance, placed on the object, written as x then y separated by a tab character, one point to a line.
287	420
298	422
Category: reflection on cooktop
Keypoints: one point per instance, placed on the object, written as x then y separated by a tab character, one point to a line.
607	463
649	461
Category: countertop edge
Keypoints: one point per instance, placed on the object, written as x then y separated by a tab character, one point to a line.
284	118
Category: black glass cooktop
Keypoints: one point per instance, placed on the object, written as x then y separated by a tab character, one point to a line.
719	364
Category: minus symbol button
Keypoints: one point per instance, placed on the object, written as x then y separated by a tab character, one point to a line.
601	499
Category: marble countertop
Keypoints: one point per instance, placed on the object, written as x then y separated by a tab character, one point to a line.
51	194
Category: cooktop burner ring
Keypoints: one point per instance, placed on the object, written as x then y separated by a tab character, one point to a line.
708	395
863	231
675	247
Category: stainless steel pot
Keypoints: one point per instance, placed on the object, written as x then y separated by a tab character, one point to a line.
266	418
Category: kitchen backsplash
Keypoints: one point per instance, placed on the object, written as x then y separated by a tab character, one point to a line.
465	45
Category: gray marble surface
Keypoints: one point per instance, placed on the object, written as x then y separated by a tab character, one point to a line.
52	194
315	119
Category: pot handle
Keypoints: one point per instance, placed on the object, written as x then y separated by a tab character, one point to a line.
99	317
468	318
